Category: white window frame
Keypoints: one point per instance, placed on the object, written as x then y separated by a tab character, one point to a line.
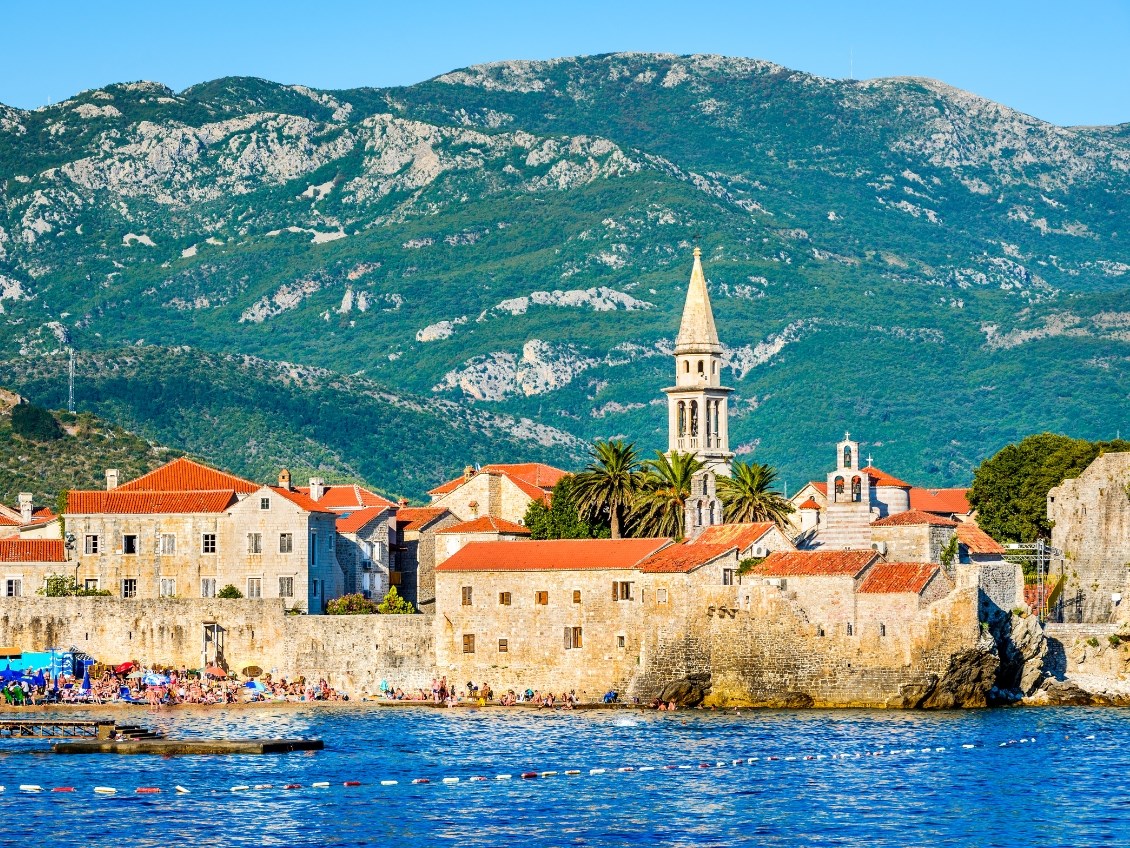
264	503
204	544
87	581
290	587
255	543
91	544
286	543
207	583
13	587
167	544
728	576
164	585
258	583
661	596
132	580
622	590
136	544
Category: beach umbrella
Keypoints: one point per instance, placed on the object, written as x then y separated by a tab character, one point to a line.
252	671
215	671
152	679
86	679
123	668
135	675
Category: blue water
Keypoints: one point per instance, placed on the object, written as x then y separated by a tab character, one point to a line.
1060	789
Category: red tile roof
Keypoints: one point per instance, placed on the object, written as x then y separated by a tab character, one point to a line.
6	521
882	478
347	497
912	518
552	555
810	504
534	478
680	559
487	524
352	522
184	475
32	550
947	501
417	517
739	536
814	563
300	500
976	540
137	503
820	486
887	577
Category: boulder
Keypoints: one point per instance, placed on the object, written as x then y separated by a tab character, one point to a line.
1064	693
687	692
1023	649
967	681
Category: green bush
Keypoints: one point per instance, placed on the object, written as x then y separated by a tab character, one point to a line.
35	423
355	604
229	592
393	604
65	585
1093	642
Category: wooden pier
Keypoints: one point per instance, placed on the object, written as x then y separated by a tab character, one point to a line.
179	747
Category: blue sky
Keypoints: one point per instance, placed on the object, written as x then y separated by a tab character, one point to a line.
1065	62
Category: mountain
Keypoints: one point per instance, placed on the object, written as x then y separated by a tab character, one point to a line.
502	252
66	451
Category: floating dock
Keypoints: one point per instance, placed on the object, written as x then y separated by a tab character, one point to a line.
179	747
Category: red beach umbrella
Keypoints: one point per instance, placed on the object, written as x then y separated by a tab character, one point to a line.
215	671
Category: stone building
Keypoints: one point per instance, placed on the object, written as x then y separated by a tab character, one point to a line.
1090	518
187	530
414	557
27	521
502	491
912	536
486	529
364	549
27	563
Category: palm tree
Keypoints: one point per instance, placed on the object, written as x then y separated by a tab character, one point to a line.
608	484
660	504
749	495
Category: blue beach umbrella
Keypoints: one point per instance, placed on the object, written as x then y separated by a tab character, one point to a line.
153	679
86	679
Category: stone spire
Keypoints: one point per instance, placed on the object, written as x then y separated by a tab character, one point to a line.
697	333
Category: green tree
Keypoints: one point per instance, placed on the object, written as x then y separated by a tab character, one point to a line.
65	585
561	518
660	503
1010	489
229	592
355	604
608	485
748	495
393	604
35	423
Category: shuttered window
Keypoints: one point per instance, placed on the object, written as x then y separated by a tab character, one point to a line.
572	638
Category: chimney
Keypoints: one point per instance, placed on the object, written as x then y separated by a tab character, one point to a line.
468	472
284	479
111	479
403	502
317	488
26	508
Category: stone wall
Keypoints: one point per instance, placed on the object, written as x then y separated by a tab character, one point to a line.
355	652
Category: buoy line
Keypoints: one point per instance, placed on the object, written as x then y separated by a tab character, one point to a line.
766	760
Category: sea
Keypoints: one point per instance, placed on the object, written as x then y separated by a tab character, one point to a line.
1005	777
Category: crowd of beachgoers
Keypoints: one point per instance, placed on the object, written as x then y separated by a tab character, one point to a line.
451	694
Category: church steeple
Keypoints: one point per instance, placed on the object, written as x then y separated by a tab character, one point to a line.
697	403
697	333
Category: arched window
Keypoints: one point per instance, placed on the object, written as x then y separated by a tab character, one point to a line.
711	513
682	418
694	418
856	489
717	418
847	456
714	367
700	368
839	489
686	366
707	417
699	524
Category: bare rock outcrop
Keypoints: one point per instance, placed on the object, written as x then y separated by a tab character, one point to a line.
967	682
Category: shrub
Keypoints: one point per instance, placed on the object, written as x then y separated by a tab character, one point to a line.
355	604
1093	642
35	423
229	592
393	604
1114	640
65	585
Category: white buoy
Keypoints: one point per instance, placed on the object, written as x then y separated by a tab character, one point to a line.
30	787
597	771
503	777
548	774
180	790
451	780
652	768
105	790
262	786
321	784
968	746
240	788
388	783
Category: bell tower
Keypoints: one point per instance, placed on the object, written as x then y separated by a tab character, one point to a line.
697	405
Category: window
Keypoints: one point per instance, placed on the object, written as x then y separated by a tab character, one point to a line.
314	587
850	630
167	544
207	587
839	489
727	577
572	638
208	543
90	584
661	596
700	370
286	587
468	643
504	599
621	641
882	630
621	590
541	598
255	543
264	503
255	587
576	596
686	366
129	587
286	543
91	545
847	456
856	489
466	596
13	587
503	646
129	543
167	588
312	558
819	631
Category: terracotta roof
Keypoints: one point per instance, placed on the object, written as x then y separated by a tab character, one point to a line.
885	577
882	478
6	521
809	504
298	499
449	486
351	522
184	475
347	497
976	540
948	501
32	550
534	478
552	555
820	486
739	536
42	513
814	563
487	524
136	503
683	558
417	517
39	514
914	517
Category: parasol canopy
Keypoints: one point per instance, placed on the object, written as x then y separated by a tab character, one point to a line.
215	671
252	671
